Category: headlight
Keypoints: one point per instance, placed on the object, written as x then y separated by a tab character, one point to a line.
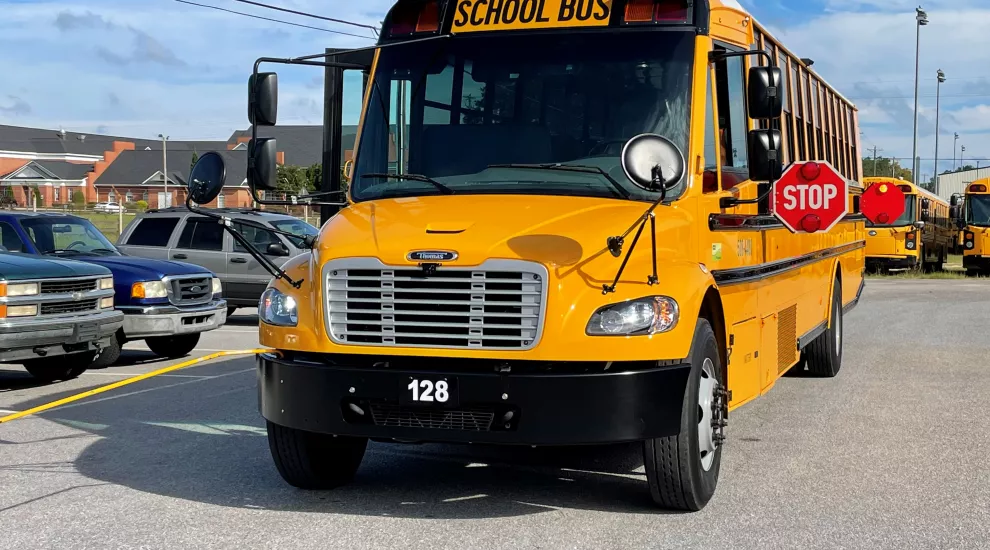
635	317
217	286
278	309
149	289
22	289
22	311
106	284
106	303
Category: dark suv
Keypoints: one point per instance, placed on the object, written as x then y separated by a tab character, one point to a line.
178	234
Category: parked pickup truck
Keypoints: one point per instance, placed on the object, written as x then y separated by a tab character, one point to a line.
167	304
55	315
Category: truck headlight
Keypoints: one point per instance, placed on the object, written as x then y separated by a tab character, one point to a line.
217	287
21	289
149	289
276	308
651	315
22	311
106	284
106	303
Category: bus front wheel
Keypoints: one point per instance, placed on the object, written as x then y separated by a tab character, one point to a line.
824	354
682	470
310	460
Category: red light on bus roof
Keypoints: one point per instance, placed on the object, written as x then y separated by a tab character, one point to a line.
656	11
905	188
415	18
978	188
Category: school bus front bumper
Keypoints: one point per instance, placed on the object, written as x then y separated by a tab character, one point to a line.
891	262
472	401
976	262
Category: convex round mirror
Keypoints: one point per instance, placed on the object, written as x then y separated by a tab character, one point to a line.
206	178
652	162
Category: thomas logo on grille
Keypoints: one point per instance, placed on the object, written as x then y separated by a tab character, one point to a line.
432	256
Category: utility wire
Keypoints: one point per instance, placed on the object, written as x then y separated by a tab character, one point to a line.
314	16
274	20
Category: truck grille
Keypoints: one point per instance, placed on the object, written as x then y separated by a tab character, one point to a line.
499	305
396	416
191	290
57	308
67	287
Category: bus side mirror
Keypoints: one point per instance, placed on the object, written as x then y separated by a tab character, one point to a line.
262	164
954	200
263	99
925	204
764	100
764	155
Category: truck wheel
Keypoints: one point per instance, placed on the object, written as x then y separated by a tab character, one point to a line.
682	470
173	346
824	354
62	367
310	460
109	355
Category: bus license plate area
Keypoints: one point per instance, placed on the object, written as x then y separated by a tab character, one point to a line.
429	390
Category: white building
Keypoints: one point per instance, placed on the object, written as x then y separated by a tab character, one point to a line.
949	184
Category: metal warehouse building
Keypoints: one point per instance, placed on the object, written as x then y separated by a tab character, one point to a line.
949	184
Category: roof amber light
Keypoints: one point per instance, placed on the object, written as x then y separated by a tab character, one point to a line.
412	18
656	11
429	18
905	188
639	11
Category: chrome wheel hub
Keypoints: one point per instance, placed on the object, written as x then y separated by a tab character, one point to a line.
712	414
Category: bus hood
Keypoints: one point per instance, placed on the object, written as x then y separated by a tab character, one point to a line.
555	231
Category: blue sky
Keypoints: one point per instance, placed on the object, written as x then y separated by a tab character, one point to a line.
143	67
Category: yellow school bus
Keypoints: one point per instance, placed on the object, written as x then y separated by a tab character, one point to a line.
921	237
557	232
976	228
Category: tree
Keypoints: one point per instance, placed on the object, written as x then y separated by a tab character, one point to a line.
882	166
78	199
192	163
314	177
291	179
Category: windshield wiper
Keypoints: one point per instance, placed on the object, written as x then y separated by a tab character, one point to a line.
414	177
63	251
569	168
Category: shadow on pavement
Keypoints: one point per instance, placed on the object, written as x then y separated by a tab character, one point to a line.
202	439
242	320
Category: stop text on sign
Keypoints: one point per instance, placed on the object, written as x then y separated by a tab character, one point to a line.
810	197
803	196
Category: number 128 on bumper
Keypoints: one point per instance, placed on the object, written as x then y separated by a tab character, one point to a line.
430	391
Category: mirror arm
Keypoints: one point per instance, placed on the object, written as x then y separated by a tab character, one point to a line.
615	243
226	222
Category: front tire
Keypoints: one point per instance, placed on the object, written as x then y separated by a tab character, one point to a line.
173	347
62	367
310	460
824	354
682	470
109	355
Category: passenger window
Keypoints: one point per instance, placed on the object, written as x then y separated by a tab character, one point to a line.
258	237
202	234
733	121
9	238
712	161
152	232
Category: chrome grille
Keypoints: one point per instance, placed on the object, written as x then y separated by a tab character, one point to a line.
397	416
498	305
191	290
68	287
57	308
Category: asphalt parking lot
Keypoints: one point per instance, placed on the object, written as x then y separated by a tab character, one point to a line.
890	454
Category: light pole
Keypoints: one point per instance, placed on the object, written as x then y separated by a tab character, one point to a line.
938	91
168	202
955	146
962	154
922	19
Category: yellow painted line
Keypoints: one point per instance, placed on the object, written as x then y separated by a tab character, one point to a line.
122	383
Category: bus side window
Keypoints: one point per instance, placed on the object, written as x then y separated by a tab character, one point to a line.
733	121
712	161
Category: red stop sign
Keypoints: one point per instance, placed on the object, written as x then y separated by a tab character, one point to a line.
882	202
810	197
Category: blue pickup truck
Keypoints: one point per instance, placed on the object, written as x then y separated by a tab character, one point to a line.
55	315
165	303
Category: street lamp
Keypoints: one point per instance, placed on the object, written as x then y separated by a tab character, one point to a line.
922	19
955	147
938	91
165	170
962	153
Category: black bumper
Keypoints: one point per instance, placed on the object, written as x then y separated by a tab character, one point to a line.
903	262
981	263
546	409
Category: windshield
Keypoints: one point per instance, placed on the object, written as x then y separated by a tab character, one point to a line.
450	109
978	209
60	236
297	227
907	218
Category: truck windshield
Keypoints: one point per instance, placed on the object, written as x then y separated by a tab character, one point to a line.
450	109
978	209
907	218
67	236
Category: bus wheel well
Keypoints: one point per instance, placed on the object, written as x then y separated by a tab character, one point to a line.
711	310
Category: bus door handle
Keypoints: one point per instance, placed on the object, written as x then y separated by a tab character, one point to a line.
179	256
